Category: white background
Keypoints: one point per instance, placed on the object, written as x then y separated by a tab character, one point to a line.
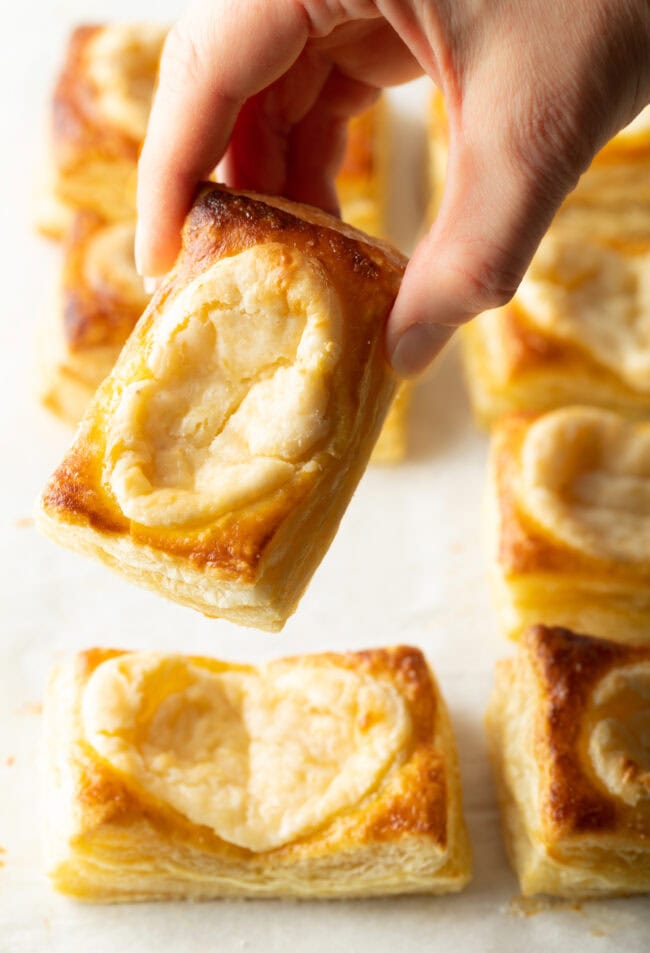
407	566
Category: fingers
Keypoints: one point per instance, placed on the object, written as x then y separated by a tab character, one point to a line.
496	207
214	59
303	147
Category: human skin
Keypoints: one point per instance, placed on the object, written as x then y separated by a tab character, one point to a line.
533	88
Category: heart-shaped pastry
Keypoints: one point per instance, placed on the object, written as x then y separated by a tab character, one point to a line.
596	297
233	393
261	755
585	480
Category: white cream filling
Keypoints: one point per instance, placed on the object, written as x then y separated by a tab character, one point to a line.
236	391
260	756
596	297
585	479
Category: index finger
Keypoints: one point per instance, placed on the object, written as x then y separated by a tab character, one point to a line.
217	56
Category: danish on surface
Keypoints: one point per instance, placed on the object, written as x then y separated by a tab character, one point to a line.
316	776
100	298
569	732
570	521
218	457
100	113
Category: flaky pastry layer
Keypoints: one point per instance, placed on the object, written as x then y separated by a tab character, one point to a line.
317	776
567	512
568	728
216	460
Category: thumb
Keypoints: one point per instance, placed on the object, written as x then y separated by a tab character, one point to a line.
495	209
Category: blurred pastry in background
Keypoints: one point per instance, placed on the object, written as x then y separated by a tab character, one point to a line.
577	331
569	518
100	112
100	298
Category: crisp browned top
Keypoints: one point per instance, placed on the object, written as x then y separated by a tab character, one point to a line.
365	273
567	669
412	800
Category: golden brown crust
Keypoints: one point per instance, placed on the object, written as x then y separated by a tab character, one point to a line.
94	315
568	667
411	806
568	832
365	276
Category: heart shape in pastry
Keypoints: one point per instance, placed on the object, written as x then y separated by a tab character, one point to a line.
596	297
234	393
619	743
585	481
261	755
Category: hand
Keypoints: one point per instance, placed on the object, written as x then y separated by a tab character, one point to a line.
533	89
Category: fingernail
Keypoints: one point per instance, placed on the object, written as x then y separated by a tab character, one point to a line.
150	284
417	347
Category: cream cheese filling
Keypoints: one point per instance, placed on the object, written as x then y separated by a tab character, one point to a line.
260	756
236	391
619	745
594	296
122	64
585	480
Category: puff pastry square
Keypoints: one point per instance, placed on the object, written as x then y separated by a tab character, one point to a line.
577	331
100	298
569	731
569	509
99	117
315	776
216	460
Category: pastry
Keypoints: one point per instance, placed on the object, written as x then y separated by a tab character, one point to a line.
392	445
438	148
99	118
570	522
317	776
361	181
613	195
218	457
569	732
101	296
577	331
361	188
